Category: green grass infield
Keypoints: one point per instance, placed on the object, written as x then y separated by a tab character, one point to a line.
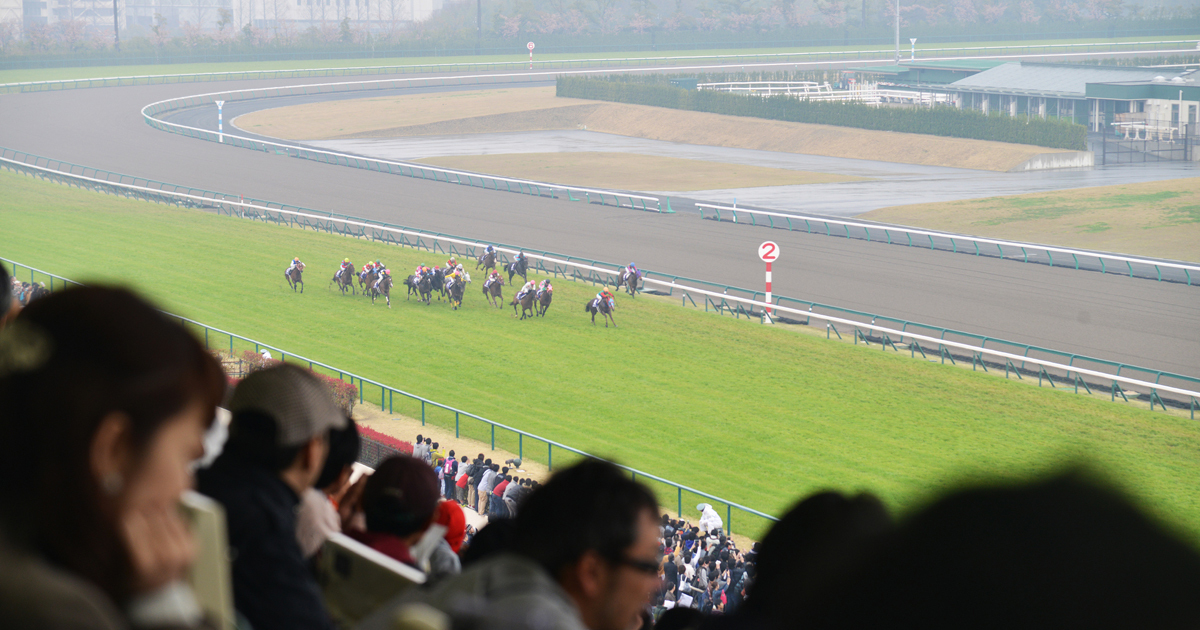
756	414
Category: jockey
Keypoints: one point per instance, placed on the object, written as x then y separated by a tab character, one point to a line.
493	277
380	267
545	287
520	257
605	296
296	263
451	279
489	250
529	286
382	274
633	270
346	264
452	263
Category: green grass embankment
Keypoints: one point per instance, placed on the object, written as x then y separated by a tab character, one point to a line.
759	415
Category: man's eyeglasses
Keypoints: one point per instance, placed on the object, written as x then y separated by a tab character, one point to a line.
641	566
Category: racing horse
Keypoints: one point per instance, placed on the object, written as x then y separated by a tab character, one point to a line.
628	281
345	279
487	260
596	305
437	281
295	277
491	291
366	280
543	301
383	287
518	268
423	290
526	302
456	289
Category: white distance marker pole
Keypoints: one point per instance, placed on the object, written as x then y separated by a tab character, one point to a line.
220	122
769	253
530	47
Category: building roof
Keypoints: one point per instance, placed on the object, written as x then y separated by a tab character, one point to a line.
1054	80
968	65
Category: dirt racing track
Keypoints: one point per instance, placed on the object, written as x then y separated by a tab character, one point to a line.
1135	321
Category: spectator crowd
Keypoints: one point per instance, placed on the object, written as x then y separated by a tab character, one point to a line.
106	406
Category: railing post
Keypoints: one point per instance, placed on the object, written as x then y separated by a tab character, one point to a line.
493	437
422	412
679	498
456	425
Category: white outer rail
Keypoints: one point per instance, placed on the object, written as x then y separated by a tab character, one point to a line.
435	169
899	334
627	60
964	237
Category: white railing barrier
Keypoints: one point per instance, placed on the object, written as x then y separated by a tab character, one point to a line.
829	319
167	105
888	230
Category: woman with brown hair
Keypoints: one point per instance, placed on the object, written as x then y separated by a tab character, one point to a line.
104	403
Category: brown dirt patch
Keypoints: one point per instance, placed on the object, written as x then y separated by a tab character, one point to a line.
531	109
1158	219
631	171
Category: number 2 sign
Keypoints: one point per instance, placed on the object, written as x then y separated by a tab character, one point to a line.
768	251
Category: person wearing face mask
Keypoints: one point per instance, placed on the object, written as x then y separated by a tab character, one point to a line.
104	403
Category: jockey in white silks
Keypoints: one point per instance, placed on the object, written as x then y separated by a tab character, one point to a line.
529	286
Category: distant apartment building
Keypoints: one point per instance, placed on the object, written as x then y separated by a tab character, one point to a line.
138	16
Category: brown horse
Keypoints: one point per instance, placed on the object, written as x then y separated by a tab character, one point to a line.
543	302
487	261
367	279
344	279
596	305
491	291
526	303
383	287
295	277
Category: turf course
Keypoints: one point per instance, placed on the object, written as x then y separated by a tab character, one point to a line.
759	415
93	72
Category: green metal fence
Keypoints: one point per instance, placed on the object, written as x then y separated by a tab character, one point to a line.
465	424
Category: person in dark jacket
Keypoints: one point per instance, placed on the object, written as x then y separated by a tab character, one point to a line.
278	439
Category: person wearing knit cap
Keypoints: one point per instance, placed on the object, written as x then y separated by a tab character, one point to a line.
399	502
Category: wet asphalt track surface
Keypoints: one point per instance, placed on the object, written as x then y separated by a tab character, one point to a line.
1136	321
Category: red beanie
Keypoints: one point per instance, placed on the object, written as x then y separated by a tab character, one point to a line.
450	515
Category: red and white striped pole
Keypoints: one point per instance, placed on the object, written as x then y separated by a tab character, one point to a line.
768	286
530	47
769	253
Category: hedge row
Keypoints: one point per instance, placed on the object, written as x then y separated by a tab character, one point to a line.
345	395
939	121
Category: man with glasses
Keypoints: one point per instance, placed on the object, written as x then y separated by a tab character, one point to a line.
584	556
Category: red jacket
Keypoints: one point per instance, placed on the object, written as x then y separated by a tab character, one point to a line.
499	490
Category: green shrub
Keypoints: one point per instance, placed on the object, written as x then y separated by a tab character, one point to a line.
939	121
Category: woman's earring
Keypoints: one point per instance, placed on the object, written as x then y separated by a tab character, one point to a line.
112	483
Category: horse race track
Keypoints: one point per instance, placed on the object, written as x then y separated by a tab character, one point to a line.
759	415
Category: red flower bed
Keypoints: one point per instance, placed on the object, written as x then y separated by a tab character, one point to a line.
386	440
345	395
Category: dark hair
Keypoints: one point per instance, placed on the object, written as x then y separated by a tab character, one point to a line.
5	294
464	459
1059	553
593	500
68	361
435	444
343	452
401	497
